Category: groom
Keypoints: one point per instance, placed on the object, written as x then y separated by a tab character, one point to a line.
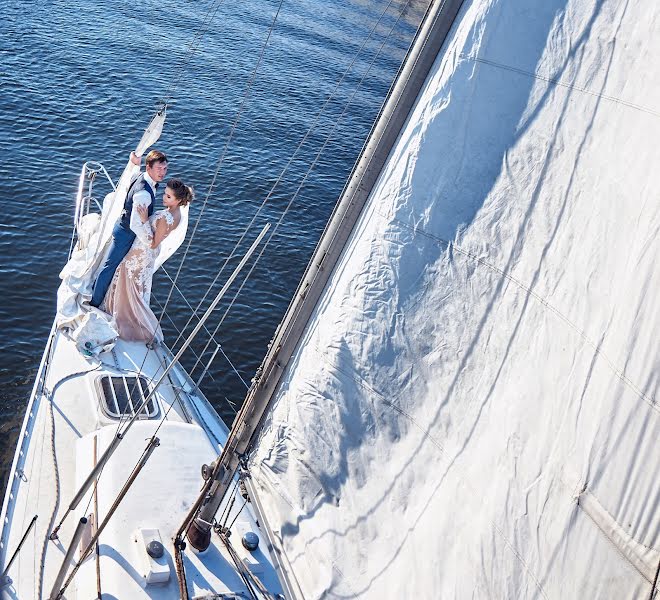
142	190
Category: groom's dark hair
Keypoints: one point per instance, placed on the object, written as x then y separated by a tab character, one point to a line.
155	156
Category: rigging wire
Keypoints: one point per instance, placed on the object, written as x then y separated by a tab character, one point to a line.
310	129
240	510
228	505
239	112
179	70
183	63
212	338
174	326
286	167
300	186
192	48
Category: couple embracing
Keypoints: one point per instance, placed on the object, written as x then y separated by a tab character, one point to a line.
122	287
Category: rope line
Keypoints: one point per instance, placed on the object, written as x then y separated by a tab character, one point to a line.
56	507
239	112
311	128
309	170
240	510
241	569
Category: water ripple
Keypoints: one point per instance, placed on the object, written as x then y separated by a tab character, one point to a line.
79	81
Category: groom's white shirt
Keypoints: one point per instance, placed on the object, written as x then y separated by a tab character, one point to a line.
141	198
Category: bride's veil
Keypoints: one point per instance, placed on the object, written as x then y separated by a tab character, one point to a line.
172	242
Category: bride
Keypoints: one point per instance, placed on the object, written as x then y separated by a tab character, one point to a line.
127	299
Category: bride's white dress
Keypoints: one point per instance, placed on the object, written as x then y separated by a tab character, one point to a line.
128	297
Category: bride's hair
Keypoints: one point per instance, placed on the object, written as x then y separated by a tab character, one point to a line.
182	192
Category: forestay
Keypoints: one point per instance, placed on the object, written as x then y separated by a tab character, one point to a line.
472	411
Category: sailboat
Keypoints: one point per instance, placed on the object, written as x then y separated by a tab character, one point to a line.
461	399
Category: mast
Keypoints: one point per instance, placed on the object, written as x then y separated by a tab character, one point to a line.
401	98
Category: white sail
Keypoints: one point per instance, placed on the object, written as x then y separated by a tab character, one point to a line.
114	203
472	411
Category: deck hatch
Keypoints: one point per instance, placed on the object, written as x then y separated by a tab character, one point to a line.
120	395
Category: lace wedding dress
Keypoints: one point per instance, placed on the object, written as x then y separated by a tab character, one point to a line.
127	300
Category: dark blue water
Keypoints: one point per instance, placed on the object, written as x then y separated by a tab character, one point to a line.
79	80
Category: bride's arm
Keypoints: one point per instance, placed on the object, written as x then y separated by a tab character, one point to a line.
139	223
141	226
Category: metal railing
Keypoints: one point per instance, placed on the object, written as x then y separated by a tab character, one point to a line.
85	197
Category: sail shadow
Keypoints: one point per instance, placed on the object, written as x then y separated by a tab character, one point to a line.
353	424
547	246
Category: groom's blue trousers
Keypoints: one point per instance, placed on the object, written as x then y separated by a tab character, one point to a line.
122	241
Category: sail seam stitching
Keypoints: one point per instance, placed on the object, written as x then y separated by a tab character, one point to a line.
522	561
560	83
619	373
363	384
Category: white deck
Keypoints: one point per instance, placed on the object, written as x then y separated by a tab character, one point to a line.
73	423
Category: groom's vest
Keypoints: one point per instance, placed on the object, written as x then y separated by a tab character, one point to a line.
137	185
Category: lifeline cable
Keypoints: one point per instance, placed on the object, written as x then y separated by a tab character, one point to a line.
180	331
